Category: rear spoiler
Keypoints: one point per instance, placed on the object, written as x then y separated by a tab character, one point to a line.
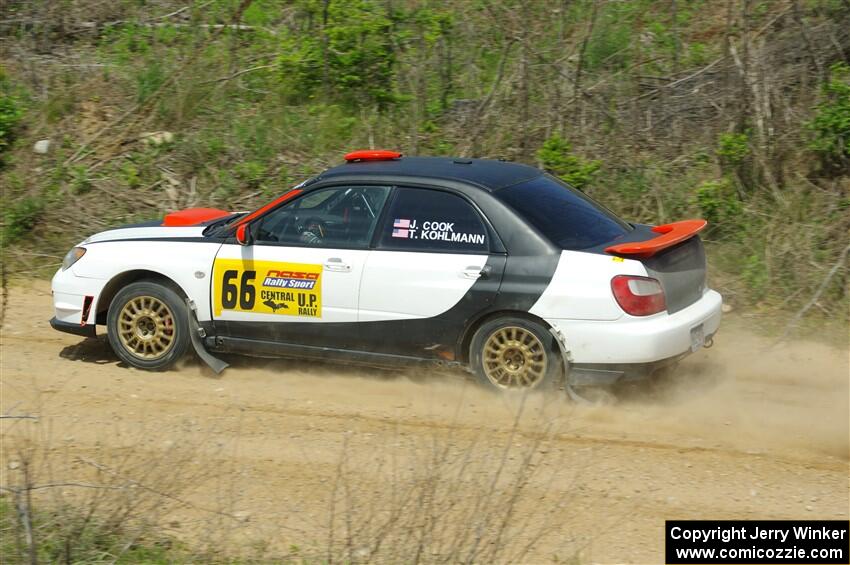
671	234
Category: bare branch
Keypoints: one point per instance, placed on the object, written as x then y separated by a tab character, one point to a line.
238	74
823	286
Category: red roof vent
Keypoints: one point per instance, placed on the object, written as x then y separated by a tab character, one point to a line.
372	155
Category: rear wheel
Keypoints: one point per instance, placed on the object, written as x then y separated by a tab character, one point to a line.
147	326
515	354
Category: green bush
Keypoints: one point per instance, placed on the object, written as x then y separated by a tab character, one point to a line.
20	218
10	115
149	79
756	275
697	54
720	205
79	180
131	175
830	127
355	59
733	148
251	173
557	158
609	46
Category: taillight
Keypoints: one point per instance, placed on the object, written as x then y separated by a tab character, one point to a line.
638	296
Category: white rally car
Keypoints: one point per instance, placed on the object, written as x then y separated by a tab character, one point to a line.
492	265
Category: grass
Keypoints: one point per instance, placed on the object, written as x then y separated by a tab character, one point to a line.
453	499
68	535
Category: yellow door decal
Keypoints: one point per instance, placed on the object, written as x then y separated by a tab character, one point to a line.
267	287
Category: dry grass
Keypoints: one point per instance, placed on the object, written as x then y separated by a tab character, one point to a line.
104	503
456	499
453	501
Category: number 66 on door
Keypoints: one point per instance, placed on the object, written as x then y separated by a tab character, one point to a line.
267	287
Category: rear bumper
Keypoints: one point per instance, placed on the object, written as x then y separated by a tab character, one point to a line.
602	374
638	341
87	330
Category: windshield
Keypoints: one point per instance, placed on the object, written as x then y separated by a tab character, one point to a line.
225	224
568	217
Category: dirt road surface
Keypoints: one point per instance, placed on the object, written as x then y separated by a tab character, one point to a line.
743	431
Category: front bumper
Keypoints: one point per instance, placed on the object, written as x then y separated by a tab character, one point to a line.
75	298
635	341
86	330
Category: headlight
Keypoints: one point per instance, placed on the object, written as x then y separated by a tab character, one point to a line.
72	257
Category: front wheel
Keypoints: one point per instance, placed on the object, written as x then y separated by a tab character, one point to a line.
147	324
515	354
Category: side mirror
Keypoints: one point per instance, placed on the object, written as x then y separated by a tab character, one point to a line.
243	235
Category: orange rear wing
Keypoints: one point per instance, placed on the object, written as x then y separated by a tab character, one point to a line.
671	234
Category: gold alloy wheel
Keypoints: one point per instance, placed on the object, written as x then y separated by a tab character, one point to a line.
513	357
146	327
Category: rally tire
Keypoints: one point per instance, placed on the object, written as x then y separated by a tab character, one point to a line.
515	354
147	324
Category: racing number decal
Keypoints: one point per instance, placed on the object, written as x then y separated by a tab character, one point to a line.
245	293
267	287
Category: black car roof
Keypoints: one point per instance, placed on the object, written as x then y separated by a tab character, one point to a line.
484	173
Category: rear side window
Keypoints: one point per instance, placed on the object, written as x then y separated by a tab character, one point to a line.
431	220
568	217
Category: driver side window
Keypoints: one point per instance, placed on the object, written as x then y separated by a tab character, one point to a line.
339	216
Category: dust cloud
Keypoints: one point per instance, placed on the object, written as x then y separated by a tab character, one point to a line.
747	393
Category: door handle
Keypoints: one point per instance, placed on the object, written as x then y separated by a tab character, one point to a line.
473	272
336	264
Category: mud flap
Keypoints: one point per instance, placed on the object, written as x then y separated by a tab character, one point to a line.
196	332
565	354
569	386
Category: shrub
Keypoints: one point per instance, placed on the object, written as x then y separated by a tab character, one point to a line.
94	540
557	158
720	205
131	175
756	275
609	45
251	173
355	59
830	127
697	55
149	79
10	115
79	181
733	148
20	218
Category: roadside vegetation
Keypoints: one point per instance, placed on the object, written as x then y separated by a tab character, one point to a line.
736	111
446	500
